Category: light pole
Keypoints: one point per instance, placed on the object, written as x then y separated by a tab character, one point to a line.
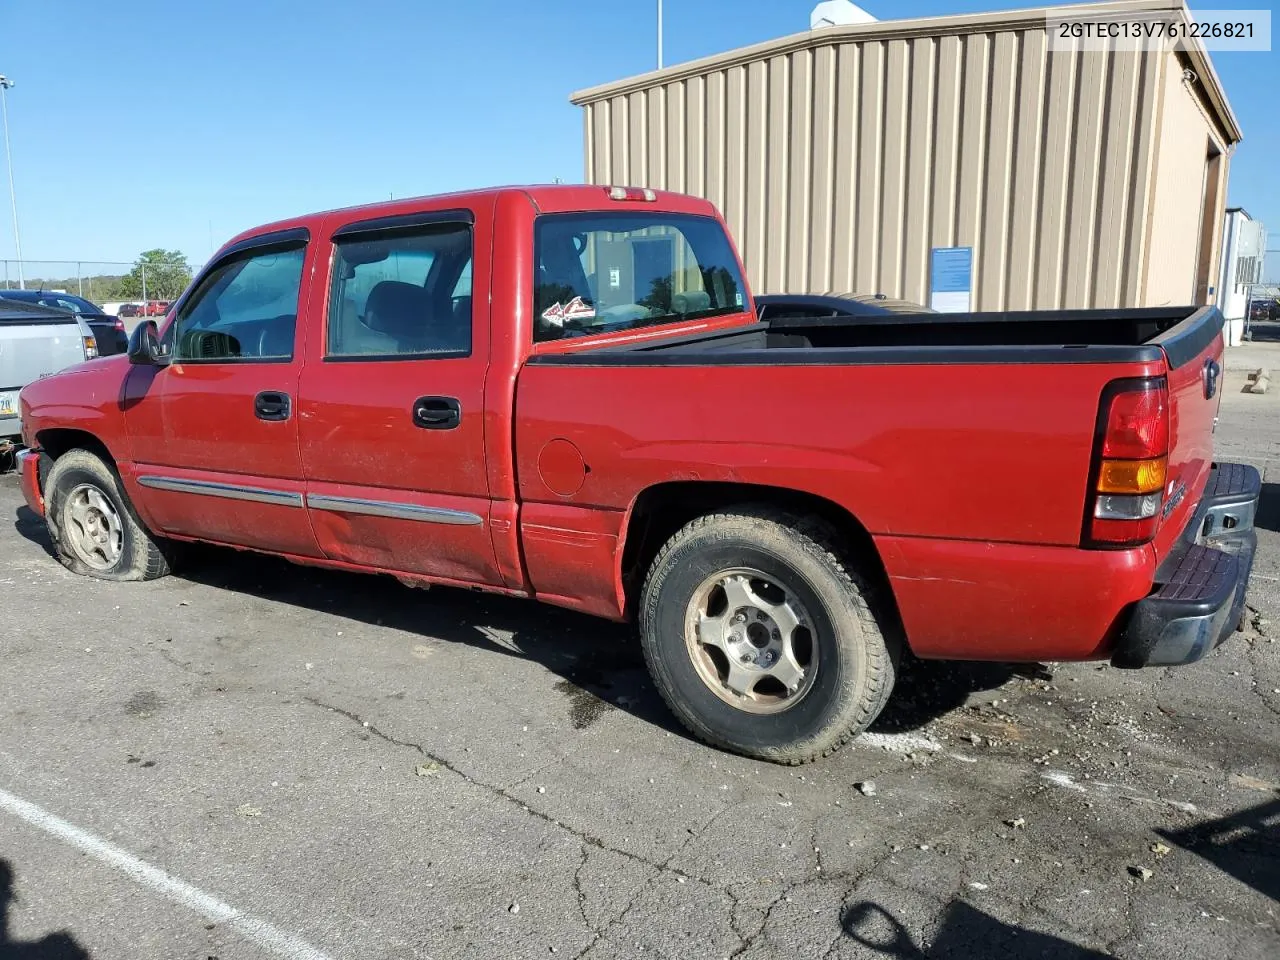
5	84
659	35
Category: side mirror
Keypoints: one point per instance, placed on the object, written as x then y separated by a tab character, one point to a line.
144	344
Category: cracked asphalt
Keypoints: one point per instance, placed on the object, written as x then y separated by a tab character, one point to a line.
388	773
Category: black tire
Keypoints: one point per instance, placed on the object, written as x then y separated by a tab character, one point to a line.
855	652
136	554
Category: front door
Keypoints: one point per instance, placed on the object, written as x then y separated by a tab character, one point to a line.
391	400
214	432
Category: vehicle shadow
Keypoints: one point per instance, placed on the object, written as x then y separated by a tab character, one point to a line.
1268	517
32	528
1245	845
599	663
1264	331
965	933
56	946
929	689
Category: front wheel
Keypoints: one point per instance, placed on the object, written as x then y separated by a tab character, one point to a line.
94	529
760	637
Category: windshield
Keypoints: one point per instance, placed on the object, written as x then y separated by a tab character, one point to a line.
599	273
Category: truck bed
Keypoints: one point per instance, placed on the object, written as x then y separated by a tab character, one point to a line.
813	331
957	441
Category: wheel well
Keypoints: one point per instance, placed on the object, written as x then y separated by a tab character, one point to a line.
663	509
57	441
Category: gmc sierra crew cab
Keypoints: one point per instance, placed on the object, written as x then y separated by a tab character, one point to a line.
566	393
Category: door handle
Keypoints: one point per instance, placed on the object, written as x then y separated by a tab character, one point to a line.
1212	373
271	405
437	413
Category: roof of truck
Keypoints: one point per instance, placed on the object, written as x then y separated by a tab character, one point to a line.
547	198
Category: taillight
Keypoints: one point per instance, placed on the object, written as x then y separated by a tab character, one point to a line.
90	348
1131	464
119	324
1137	424
644	195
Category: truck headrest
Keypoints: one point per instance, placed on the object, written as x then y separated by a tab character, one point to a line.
398	309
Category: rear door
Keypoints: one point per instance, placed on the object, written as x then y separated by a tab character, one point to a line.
214	432
391	401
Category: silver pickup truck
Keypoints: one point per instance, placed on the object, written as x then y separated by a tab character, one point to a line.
35	341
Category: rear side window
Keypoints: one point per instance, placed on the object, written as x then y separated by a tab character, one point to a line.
244	309
599	273
402	295
69	304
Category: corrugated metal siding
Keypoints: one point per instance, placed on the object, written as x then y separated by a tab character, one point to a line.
840	166
1179	195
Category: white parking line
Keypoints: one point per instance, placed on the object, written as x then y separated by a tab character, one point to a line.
254	929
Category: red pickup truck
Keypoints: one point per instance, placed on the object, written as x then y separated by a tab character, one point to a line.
569	394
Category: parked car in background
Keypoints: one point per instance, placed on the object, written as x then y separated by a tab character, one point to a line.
35	341
567	394
1264	310
847	305
107	330
154	308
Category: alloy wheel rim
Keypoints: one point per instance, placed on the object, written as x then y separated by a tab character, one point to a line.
94	528
751	640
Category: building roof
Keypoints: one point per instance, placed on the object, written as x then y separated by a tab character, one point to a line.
927	27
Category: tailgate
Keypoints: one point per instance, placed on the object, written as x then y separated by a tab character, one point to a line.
30	349
1194	352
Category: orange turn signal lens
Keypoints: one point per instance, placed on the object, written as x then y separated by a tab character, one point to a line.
1133	476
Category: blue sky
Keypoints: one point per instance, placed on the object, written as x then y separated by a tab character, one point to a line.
176	124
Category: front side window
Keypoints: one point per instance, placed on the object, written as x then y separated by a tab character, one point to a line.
599	273
402	295
244	309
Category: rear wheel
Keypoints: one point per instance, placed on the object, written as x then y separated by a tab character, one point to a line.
94	529
761	638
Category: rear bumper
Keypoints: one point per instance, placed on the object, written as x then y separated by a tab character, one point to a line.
29	478
1200	593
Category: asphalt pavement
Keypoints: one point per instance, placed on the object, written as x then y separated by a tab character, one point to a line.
256	760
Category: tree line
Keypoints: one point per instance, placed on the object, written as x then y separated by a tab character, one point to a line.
163	273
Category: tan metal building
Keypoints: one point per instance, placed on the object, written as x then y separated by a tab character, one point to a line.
841	157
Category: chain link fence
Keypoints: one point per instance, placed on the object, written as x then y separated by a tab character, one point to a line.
106	283
1264	300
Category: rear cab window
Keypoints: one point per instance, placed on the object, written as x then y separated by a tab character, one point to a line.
607	272
68	303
